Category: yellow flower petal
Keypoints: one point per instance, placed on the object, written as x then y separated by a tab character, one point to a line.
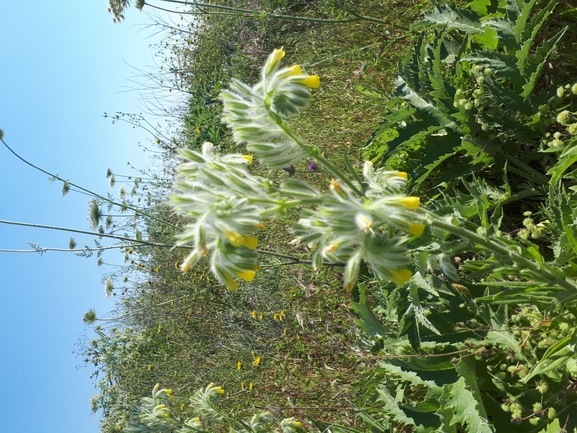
410	202
312	81
277	54
234	238
402	276
416	229
248	158
246	275
295	70
402	174
230	283
250	242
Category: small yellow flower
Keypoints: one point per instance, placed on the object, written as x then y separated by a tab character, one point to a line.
250	386
256	361
182	406
234	238
246	275
260	226
248	158
238	365
158	328
336	187
295	70
250	242
402	276
416	229
149	367
231	283
330	248
410	202
312	81
402	174
253	314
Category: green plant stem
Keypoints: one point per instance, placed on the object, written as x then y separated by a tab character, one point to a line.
111	319
313	152
241	11
87	191
96	234
501	250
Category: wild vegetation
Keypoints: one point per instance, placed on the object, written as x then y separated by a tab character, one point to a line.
455	238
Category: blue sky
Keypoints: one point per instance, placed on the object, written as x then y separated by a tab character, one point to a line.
63	65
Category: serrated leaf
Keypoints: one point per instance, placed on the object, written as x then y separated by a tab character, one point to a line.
463	404
483	7
366	319
423	105
465	21
541	57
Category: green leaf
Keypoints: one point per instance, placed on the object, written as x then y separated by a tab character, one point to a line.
552	427
556	359
541	57
566	160
366	319
461	401
526	36
465	21
483	7
488	39
421	104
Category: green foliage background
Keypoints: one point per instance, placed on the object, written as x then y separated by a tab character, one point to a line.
441	354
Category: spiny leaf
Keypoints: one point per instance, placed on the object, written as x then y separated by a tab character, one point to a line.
541	57
421	104
466	21
464	407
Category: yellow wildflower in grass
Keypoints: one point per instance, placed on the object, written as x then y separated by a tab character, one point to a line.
401	276
149	367
238	365
256	361
182	406
248	158
312	81
410	202
253	314
250	386
158	328
260	316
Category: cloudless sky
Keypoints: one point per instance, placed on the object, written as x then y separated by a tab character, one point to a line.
62	65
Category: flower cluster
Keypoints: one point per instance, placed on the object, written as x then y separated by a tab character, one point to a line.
225	203
347	228
257	114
